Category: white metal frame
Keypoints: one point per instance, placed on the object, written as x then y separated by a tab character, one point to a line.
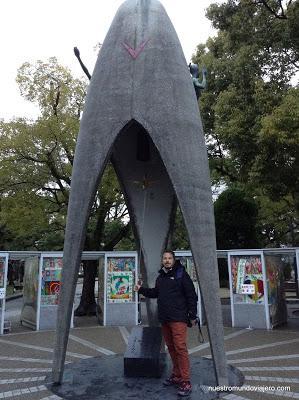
265	282
42	256
183	253
297	262
120	254
2	316
232	310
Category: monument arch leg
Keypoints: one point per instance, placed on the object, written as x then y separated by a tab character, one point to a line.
89	164
187	167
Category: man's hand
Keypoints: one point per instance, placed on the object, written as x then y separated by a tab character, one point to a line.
138	285
193	322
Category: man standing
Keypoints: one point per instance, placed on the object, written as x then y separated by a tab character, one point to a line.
177	307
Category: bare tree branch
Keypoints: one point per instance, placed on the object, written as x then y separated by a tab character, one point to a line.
29	158
122	233
272	11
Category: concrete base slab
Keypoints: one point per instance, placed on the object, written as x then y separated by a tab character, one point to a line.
103	378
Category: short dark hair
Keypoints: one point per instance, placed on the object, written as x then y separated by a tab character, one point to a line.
170	252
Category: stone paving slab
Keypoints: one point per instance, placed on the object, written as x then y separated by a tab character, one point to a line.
29	393
257	337
45	340
12	350
274	361
264	337
287	351
273	374
13	372
269	396
23	382
109	338
261	338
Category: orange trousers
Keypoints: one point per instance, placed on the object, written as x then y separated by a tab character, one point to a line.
175	335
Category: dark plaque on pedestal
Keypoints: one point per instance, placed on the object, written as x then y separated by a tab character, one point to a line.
143	357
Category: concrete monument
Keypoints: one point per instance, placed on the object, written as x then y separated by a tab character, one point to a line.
141	112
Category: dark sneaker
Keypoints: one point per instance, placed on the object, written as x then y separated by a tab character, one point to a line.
185	388
172	381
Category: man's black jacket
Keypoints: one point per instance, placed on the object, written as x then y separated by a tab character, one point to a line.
177	299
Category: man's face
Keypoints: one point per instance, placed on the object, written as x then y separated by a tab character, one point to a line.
167	260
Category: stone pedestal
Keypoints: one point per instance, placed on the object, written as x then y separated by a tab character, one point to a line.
143	357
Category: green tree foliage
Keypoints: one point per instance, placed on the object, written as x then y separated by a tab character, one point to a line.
5	237
250	109
36	160
277	221
180	239
277	163
236	220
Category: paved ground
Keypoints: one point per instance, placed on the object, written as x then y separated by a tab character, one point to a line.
266	358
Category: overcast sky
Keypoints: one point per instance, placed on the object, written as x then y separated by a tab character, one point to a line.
33	30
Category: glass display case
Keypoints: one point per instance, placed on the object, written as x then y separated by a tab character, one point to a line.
50	270
120	300
50	280
256	286
247	278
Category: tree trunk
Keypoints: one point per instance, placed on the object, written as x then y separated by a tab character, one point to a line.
88	304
